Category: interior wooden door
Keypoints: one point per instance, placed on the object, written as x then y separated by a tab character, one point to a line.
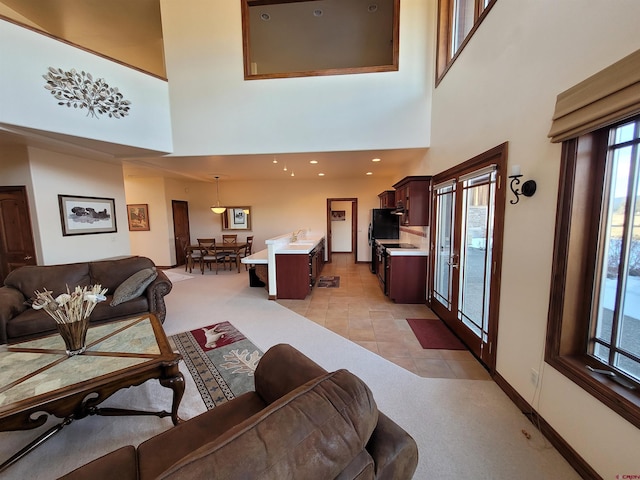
16	237
466	251
181	233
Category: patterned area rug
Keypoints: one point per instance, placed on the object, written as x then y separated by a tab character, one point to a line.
328	282
221	361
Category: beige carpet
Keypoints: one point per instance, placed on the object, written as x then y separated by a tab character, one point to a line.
464	428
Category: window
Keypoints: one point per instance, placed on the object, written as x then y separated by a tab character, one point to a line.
615	313
593	334
457	20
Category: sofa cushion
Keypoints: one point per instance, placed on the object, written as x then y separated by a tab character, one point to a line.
120	464
111	273
313	432
56	278
133	286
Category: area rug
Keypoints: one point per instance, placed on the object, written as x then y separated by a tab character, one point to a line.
177	277
221	361
328	282
434	334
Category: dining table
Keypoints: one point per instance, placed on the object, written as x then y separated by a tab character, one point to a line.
228	247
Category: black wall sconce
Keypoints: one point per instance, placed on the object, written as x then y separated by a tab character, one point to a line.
528	188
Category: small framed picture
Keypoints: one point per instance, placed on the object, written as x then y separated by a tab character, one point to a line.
338	215
87	215
138	217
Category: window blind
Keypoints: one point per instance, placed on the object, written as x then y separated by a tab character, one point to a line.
610	95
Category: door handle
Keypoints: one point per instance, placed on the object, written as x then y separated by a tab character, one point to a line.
28	257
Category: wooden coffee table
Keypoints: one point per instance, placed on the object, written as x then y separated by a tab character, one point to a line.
37	376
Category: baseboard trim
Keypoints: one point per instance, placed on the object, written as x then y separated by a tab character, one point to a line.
575	460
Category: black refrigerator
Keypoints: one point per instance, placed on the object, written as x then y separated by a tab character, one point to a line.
383	223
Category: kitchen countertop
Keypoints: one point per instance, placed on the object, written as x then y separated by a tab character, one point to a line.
303	246
419	251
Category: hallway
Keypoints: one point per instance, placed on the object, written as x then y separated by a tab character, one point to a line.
359	311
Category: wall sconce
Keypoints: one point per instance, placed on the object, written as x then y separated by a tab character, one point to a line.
528	188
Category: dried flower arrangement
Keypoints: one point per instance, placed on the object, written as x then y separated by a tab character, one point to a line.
71	312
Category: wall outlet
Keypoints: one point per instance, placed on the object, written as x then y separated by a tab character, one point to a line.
533	377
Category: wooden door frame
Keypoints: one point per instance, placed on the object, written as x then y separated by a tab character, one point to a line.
497	156
173	205
30	257
354	226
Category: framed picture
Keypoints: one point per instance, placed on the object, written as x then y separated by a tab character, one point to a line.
338	215
236	218
138	217
86	215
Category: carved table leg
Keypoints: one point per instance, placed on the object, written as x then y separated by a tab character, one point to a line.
176	383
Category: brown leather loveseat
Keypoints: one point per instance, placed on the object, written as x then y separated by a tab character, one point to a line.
300	423
20	322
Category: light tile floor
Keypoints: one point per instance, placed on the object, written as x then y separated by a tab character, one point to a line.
359	311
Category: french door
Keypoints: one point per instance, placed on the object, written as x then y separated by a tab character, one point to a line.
466	250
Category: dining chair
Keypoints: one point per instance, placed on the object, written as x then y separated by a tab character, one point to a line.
236	256
230	238
192	256
211	254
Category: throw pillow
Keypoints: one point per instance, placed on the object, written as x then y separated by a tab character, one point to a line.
133	286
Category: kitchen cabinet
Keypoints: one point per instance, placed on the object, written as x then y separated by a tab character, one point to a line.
406	278
296	274
413	197
387	199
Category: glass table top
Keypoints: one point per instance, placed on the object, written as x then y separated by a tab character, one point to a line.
40	366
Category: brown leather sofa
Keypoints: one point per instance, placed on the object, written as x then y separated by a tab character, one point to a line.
300	423
18	321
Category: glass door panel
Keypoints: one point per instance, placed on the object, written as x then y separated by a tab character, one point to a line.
444	204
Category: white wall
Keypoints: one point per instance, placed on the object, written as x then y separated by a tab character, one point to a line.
56	174
26	103
503	87
214	110
154	243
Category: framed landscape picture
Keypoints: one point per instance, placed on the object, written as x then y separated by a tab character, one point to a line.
138	217
87	215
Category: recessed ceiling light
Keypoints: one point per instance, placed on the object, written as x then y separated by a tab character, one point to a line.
317	13
321	174
373	8
314	161
274	160
369	173
375	159
265	16
292	174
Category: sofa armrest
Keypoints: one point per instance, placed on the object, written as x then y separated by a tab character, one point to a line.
394	451
283	369
11	304
155	293
121	464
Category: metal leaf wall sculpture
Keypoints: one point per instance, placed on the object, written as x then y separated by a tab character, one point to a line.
80	90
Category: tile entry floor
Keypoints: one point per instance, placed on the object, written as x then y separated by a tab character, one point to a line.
359	311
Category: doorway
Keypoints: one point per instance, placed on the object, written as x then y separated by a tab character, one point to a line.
181	233
16	237
466	250
351	230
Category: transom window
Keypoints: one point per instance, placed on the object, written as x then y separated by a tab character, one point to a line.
615	314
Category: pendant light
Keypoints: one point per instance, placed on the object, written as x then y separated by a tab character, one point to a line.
218	209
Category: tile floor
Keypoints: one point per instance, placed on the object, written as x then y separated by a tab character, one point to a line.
359	311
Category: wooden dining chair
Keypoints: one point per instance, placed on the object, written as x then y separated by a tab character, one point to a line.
230	238
192	256
210	255
236	256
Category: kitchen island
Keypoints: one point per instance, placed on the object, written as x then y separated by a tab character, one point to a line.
293	263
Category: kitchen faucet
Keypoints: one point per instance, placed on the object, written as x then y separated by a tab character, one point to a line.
294	235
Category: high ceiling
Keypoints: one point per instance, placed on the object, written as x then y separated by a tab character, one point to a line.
130	31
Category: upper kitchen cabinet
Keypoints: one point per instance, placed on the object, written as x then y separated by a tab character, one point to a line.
387	199
413	198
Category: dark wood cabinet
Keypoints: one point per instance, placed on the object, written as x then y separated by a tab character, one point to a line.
413	196
296	274
407	278
387	199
